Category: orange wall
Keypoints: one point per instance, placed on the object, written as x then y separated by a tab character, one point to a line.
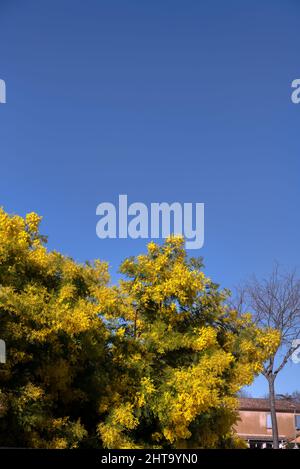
255	423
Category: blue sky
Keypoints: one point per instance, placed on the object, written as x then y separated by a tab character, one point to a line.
166	100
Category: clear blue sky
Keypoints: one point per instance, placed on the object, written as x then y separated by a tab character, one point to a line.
164	100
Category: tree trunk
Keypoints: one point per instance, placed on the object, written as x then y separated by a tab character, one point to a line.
273	412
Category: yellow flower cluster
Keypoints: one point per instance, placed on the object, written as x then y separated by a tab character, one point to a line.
123	415
33	222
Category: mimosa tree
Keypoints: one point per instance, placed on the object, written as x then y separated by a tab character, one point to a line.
156	361
57	363
181	353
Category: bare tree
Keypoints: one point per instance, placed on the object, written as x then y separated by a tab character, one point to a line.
294	397
274	303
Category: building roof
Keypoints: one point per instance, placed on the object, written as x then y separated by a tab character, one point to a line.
282	405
